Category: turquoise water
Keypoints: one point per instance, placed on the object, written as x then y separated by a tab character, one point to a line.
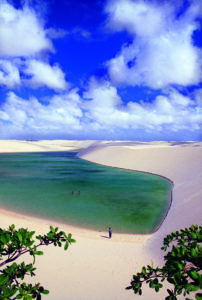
41	184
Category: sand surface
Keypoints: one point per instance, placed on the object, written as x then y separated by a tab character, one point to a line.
96	267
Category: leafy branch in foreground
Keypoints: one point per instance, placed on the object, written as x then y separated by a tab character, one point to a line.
13	244
182	268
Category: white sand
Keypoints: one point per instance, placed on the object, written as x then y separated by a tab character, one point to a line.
8	146
99	268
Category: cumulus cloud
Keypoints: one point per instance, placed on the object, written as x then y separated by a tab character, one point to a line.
31	73
102	105
162	52
9	74
100	110
172	110
21	32
42	74
30	116
140	17
22	38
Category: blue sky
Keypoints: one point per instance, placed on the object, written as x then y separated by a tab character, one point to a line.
111	69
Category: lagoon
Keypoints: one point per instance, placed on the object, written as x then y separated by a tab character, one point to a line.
41	184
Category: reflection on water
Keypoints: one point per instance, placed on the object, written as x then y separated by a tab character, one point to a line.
41	184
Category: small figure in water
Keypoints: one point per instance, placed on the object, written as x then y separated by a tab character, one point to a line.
110	232
79	193
72	192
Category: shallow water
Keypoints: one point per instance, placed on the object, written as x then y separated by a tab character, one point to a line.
41	184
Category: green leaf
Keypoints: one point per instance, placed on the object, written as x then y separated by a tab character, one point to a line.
69	236
170	298
157	289
195	275
27	297
45	292
3	279
12	227
52	229
170	292
191	287
3	239
39	252
171	280
198	296
72	241
38	297
19	237
129	287
193	235
193	252
66	246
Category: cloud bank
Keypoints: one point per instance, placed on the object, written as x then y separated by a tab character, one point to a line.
162	56
100	109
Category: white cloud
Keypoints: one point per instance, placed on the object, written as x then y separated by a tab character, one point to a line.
9	74
102	105
162	52
21	32
173	110
22	116
100	111
198	96
142	18
31	73
42	74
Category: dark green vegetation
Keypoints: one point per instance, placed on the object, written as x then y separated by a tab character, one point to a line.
182	269
13	244
41	184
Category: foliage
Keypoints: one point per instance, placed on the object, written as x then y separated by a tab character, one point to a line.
13	244
182	268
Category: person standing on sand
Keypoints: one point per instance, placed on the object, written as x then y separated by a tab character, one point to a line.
110	233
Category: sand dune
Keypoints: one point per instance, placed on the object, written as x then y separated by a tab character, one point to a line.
99	268
9	146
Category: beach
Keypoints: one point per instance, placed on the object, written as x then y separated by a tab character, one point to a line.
96	267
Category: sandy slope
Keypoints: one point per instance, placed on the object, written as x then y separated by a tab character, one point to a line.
99	268
40	146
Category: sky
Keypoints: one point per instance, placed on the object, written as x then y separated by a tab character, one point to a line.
101	69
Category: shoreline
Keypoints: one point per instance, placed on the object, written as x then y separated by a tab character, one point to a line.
144	172
83	228
103	267
179	161
79	231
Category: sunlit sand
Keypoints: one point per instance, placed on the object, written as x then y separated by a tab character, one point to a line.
99	268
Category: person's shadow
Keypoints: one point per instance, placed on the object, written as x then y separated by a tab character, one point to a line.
104	236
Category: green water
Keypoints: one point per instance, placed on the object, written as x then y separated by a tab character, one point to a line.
41	184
